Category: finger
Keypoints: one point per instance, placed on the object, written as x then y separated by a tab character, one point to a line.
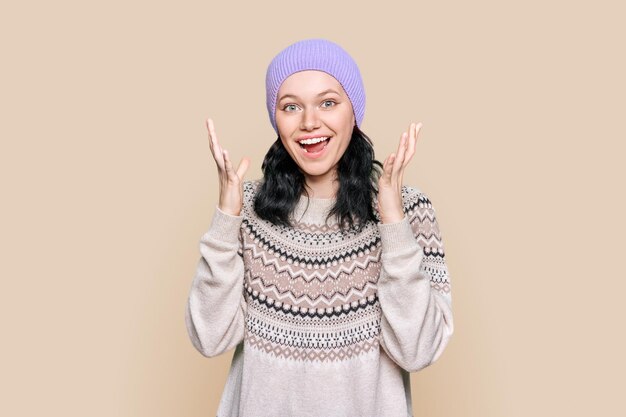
386	163
207	123
397	164
412	143
208	128
228	167
410	146
387	168
215	147
243	167
214	142
398	168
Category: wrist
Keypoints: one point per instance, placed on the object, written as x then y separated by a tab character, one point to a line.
229	212
395	217
397	237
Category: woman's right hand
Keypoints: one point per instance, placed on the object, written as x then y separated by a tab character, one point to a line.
231	181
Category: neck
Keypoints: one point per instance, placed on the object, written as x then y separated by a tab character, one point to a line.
322	186
313	210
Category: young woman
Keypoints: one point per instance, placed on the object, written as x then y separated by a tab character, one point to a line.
327	275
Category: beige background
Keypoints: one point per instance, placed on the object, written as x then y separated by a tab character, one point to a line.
108	184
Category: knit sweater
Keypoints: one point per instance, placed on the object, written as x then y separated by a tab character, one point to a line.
324	323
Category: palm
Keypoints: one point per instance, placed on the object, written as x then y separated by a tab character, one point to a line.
390	182
230	181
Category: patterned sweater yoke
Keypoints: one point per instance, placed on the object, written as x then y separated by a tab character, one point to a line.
324	322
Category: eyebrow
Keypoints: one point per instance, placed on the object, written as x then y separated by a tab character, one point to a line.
330	90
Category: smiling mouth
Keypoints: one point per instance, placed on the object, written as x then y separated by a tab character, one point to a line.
316	146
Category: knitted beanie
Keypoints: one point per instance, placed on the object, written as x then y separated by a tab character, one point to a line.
315	54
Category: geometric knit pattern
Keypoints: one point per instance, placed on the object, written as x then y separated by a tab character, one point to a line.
323	322
317	303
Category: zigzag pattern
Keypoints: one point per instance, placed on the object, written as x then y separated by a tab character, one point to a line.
311	290
315	228
341	261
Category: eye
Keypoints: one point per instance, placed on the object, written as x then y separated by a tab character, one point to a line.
329	101
288	105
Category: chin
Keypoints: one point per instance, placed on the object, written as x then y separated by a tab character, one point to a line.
315	172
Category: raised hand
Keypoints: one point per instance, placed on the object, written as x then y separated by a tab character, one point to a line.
390	204
230	181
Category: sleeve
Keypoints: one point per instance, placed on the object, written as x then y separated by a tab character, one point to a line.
216	305
414	286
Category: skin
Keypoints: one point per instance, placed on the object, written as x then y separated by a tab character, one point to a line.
307	113
301	111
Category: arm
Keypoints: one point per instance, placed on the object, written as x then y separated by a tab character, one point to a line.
216	305
414	287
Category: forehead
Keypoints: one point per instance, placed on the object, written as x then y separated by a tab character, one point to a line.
309	84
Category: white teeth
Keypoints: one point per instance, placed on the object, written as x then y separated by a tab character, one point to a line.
313	140
325	145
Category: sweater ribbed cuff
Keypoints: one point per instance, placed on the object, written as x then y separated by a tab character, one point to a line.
224	226
397	236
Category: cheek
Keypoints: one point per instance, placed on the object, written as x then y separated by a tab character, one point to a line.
344	121
345	146
290	148
285	126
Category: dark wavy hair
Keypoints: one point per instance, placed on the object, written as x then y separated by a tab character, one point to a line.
283	183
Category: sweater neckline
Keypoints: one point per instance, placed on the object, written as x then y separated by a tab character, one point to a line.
313	210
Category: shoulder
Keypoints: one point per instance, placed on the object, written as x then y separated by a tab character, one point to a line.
413	197
250	188
413	200
420	212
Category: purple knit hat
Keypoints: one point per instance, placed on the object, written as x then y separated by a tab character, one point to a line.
315	54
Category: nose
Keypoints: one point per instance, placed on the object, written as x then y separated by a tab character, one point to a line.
310	120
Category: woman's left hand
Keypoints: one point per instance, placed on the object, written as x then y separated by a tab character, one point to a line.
390	204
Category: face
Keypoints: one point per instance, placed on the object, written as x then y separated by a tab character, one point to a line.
313	104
